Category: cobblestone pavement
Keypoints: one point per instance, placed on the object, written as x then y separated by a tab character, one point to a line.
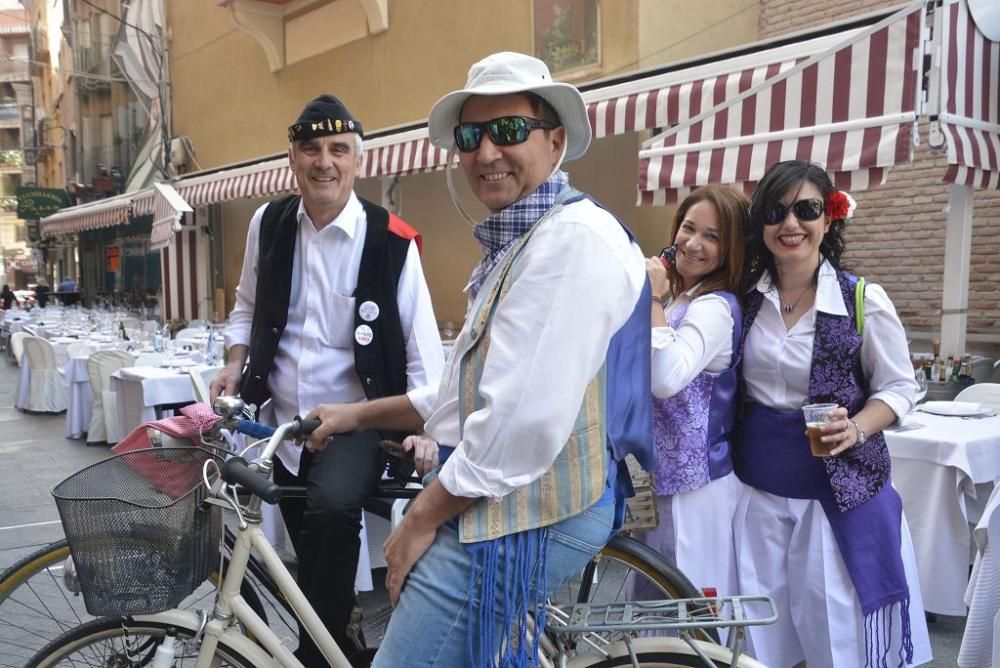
35	455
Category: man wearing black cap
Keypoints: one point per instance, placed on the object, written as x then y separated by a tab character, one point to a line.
332	306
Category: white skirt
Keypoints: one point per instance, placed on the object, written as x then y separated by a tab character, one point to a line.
786	550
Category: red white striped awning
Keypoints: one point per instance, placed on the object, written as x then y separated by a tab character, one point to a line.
168	211
91	216
261	179
402	153
970	99
850	106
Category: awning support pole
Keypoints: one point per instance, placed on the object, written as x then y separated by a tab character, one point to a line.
957	252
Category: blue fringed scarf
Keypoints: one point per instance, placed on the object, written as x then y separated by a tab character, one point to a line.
521	560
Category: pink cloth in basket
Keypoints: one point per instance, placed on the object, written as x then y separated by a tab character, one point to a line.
175	478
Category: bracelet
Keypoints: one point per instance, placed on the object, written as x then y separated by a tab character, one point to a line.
860	432
658	300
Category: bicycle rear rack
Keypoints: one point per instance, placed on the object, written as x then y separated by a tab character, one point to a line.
600	625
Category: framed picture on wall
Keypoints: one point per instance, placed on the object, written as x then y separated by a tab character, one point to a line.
567	35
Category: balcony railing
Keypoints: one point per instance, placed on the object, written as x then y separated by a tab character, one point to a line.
13	70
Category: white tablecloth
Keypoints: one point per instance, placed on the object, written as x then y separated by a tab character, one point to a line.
81	398
142	388
980	646
936	469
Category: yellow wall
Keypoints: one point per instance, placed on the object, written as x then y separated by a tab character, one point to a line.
234	108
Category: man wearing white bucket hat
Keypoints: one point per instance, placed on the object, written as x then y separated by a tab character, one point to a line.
546	391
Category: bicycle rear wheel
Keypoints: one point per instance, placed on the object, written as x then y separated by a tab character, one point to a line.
666	653
617	570
115	642
36	605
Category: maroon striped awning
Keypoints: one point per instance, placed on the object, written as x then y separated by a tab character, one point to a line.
91	216
849	105
970	99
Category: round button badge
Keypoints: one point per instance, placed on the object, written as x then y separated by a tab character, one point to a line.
363	335
368	311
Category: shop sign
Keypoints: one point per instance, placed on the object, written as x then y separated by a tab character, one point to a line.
112	255
34	203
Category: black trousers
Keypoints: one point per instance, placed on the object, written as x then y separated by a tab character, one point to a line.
325	529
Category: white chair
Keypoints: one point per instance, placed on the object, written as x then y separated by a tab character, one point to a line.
197	323
150	326
987	394
150	359
17	345
201	380
131	323
189	333
47	392
104	415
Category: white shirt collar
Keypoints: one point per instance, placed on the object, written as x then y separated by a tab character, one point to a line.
829	298
346	220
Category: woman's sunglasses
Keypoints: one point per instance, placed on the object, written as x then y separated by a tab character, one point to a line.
804	209
503	131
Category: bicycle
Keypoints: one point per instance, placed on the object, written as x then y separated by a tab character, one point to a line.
199	636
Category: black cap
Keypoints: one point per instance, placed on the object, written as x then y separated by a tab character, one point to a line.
326	115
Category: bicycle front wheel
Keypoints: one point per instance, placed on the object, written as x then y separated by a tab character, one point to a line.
37	604
115	642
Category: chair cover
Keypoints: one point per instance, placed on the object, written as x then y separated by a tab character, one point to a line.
104	414
987	394
17	345
201	380
47	391
189	333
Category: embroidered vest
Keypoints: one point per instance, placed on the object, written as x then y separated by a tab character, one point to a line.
693	430
836	376
579	475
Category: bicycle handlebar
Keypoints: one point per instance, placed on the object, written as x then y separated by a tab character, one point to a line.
236	471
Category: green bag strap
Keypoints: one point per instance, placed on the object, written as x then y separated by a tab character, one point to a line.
859	305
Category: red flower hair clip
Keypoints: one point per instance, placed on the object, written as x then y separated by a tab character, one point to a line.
840	206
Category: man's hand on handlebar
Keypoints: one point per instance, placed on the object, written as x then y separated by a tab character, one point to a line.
425	452
227	382
336	419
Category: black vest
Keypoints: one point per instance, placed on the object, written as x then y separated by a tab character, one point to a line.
381	364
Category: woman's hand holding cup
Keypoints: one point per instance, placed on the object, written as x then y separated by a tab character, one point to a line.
829	429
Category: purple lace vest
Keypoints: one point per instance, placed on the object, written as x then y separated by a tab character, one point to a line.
836	377
692	430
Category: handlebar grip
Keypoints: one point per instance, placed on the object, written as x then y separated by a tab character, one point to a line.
235	471
306	427
254	429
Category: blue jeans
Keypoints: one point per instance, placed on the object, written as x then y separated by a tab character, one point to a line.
429	627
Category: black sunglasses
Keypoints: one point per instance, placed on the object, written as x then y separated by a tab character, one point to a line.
503	131
804	209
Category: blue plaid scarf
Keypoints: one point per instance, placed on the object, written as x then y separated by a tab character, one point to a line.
500	230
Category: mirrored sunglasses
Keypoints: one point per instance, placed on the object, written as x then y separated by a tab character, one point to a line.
503	131
804	209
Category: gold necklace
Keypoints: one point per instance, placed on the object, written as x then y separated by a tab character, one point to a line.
788	308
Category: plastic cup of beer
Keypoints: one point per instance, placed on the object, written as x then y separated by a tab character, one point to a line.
816	416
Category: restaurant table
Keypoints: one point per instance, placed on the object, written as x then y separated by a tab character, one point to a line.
143	390
944	472
81	398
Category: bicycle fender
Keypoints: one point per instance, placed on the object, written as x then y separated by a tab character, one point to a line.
663	644
186	619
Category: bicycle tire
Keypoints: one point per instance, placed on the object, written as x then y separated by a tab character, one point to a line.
608	577
662	652
36	606
102	642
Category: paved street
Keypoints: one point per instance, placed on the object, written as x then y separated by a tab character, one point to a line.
36	456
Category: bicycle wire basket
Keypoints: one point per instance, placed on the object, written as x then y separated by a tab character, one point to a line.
140	532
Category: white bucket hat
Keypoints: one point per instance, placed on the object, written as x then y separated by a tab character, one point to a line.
504	73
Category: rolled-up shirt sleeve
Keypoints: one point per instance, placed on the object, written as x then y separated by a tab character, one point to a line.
885	358
703	340
574	285
238	330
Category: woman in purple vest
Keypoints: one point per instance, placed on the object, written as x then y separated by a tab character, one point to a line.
823	536
696	330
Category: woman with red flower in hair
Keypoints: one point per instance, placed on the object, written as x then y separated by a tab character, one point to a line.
820	529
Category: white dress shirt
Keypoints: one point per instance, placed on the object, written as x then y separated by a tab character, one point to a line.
574	285
777	361
314	362
703	341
